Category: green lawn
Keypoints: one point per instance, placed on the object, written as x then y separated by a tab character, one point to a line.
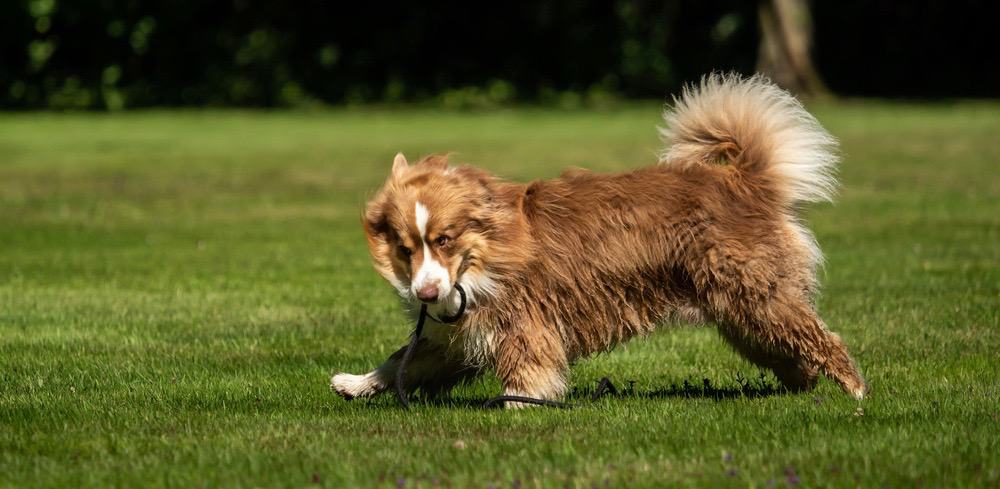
176	289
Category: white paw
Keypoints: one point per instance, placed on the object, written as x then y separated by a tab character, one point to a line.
350	386
518	405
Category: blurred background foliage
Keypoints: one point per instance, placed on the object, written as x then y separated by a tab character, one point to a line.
115	54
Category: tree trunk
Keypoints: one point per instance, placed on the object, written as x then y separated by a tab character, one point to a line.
785	47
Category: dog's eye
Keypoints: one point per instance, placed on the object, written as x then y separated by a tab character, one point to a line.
404	251
442	240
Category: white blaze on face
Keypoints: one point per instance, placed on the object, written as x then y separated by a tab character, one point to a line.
431	272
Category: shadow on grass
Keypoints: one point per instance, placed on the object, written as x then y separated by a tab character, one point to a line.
604	388
744	388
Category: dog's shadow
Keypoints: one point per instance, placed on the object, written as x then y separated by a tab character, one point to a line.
705	390
605	388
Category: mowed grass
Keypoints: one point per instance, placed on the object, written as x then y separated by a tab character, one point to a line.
176	289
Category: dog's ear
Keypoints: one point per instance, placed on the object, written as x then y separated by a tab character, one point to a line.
399	165
375	220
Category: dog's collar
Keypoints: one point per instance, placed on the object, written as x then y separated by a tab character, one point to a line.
461	309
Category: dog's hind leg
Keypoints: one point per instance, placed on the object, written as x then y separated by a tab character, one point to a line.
785	334
795	374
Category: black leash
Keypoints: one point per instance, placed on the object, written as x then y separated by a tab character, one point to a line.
401	371
499	400
604	386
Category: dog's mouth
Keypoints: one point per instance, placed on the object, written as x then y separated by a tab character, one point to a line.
463	302
444	301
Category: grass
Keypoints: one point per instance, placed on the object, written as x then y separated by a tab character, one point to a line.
177	287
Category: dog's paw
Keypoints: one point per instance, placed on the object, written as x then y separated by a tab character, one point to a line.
860	392
523	405
518	405
341	384
350	386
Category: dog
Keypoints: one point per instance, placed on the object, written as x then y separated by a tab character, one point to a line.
559	269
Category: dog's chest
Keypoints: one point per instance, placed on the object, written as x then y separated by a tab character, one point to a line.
476	345
479	344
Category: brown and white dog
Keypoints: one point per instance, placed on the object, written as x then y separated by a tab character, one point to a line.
558	269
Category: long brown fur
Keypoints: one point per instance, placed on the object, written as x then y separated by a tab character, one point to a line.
559	269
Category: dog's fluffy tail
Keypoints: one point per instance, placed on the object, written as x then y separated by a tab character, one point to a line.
757	127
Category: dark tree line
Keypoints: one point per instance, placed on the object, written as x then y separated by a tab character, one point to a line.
134	53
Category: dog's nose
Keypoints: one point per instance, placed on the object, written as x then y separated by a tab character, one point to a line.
428	293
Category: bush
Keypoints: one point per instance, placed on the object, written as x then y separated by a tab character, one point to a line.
112	54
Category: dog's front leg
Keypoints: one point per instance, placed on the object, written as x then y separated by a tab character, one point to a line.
431	369
370	384
532	363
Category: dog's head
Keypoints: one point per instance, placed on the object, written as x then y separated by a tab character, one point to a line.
427	230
